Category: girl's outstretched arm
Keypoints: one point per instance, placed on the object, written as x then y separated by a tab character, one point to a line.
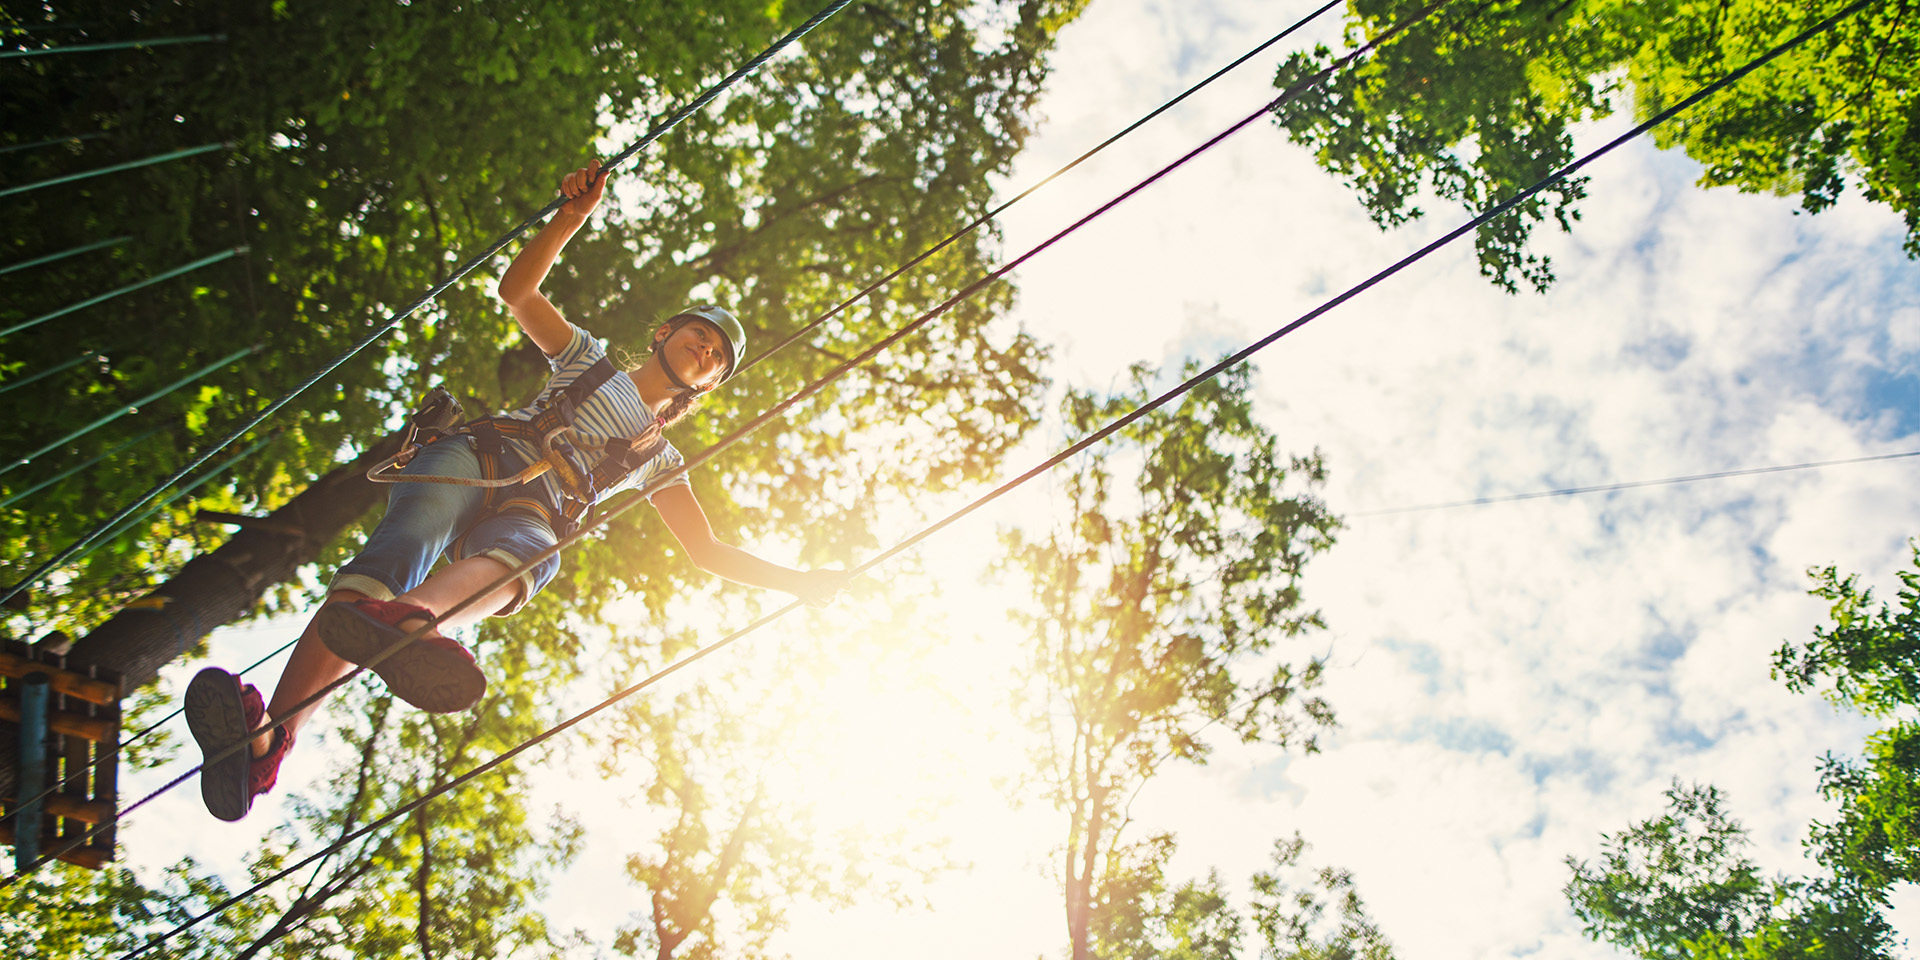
520	285
688	522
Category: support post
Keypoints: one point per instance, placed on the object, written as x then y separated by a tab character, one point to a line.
33	768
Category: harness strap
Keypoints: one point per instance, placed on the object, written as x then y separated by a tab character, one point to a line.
624	455
546	432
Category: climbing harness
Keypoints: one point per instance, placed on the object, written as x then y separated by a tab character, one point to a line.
550	431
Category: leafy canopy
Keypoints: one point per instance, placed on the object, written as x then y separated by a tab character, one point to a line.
1482	100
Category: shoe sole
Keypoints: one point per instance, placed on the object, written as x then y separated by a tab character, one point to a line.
432	678
217	716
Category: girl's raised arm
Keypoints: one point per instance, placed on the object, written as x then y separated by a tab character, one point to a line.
520	285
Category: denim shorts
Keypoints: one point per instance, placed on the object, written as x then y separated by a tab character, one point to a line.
426	520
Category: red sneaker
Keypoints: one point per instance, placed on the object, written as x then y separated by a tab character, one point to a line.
434	673
221	712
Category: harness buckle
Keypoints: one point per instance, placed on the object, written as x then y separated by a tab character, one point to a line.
569	468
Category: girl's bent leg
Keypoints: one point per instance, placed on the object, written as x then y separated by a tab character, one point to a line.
311	667
456	582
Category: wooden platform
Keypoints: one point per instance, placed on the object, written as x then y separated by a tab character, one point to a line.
83	727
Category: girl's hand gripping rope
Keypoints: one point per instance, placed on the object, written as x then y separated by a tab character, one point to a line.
819	587
583	189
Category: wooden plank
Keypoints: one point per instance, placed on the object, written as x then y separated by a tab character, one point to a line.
62	681
61	805
93	858
96	729
106	773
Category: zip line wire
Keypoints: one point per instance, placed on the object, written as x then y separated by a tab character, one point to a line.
659	130
1093	438
1291	92
1632	484
975	224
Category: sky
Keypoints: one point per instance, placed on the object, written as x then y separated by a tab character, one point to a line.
1511	680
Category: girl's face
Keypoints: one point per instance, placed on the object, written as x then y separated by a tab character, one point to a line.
697	351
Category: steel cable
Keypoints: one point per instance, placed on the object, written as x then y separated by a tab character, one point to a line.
1633	484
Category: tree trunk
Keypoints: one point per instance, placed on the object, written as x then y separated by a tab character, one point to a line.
226	584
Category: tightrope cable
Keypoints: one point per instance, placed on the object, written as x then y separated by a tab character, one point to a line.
1632	484
658	130
1101	434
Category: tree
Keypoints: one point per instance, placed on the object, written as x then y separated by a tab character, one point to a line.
1297	913
1155	601
1480	101
1679	886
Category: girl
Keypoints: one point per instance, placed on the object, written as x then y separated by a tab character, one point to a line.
386	592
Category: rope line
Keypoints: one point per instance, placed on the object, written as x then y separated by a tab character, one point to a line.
658	130
61	367
1108	430
115	168
171	498
122	291
62	255
72	138
117	45
1632	484
1291	92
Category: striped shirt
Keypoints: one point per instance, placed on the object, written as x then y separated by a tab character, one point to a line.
613	411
